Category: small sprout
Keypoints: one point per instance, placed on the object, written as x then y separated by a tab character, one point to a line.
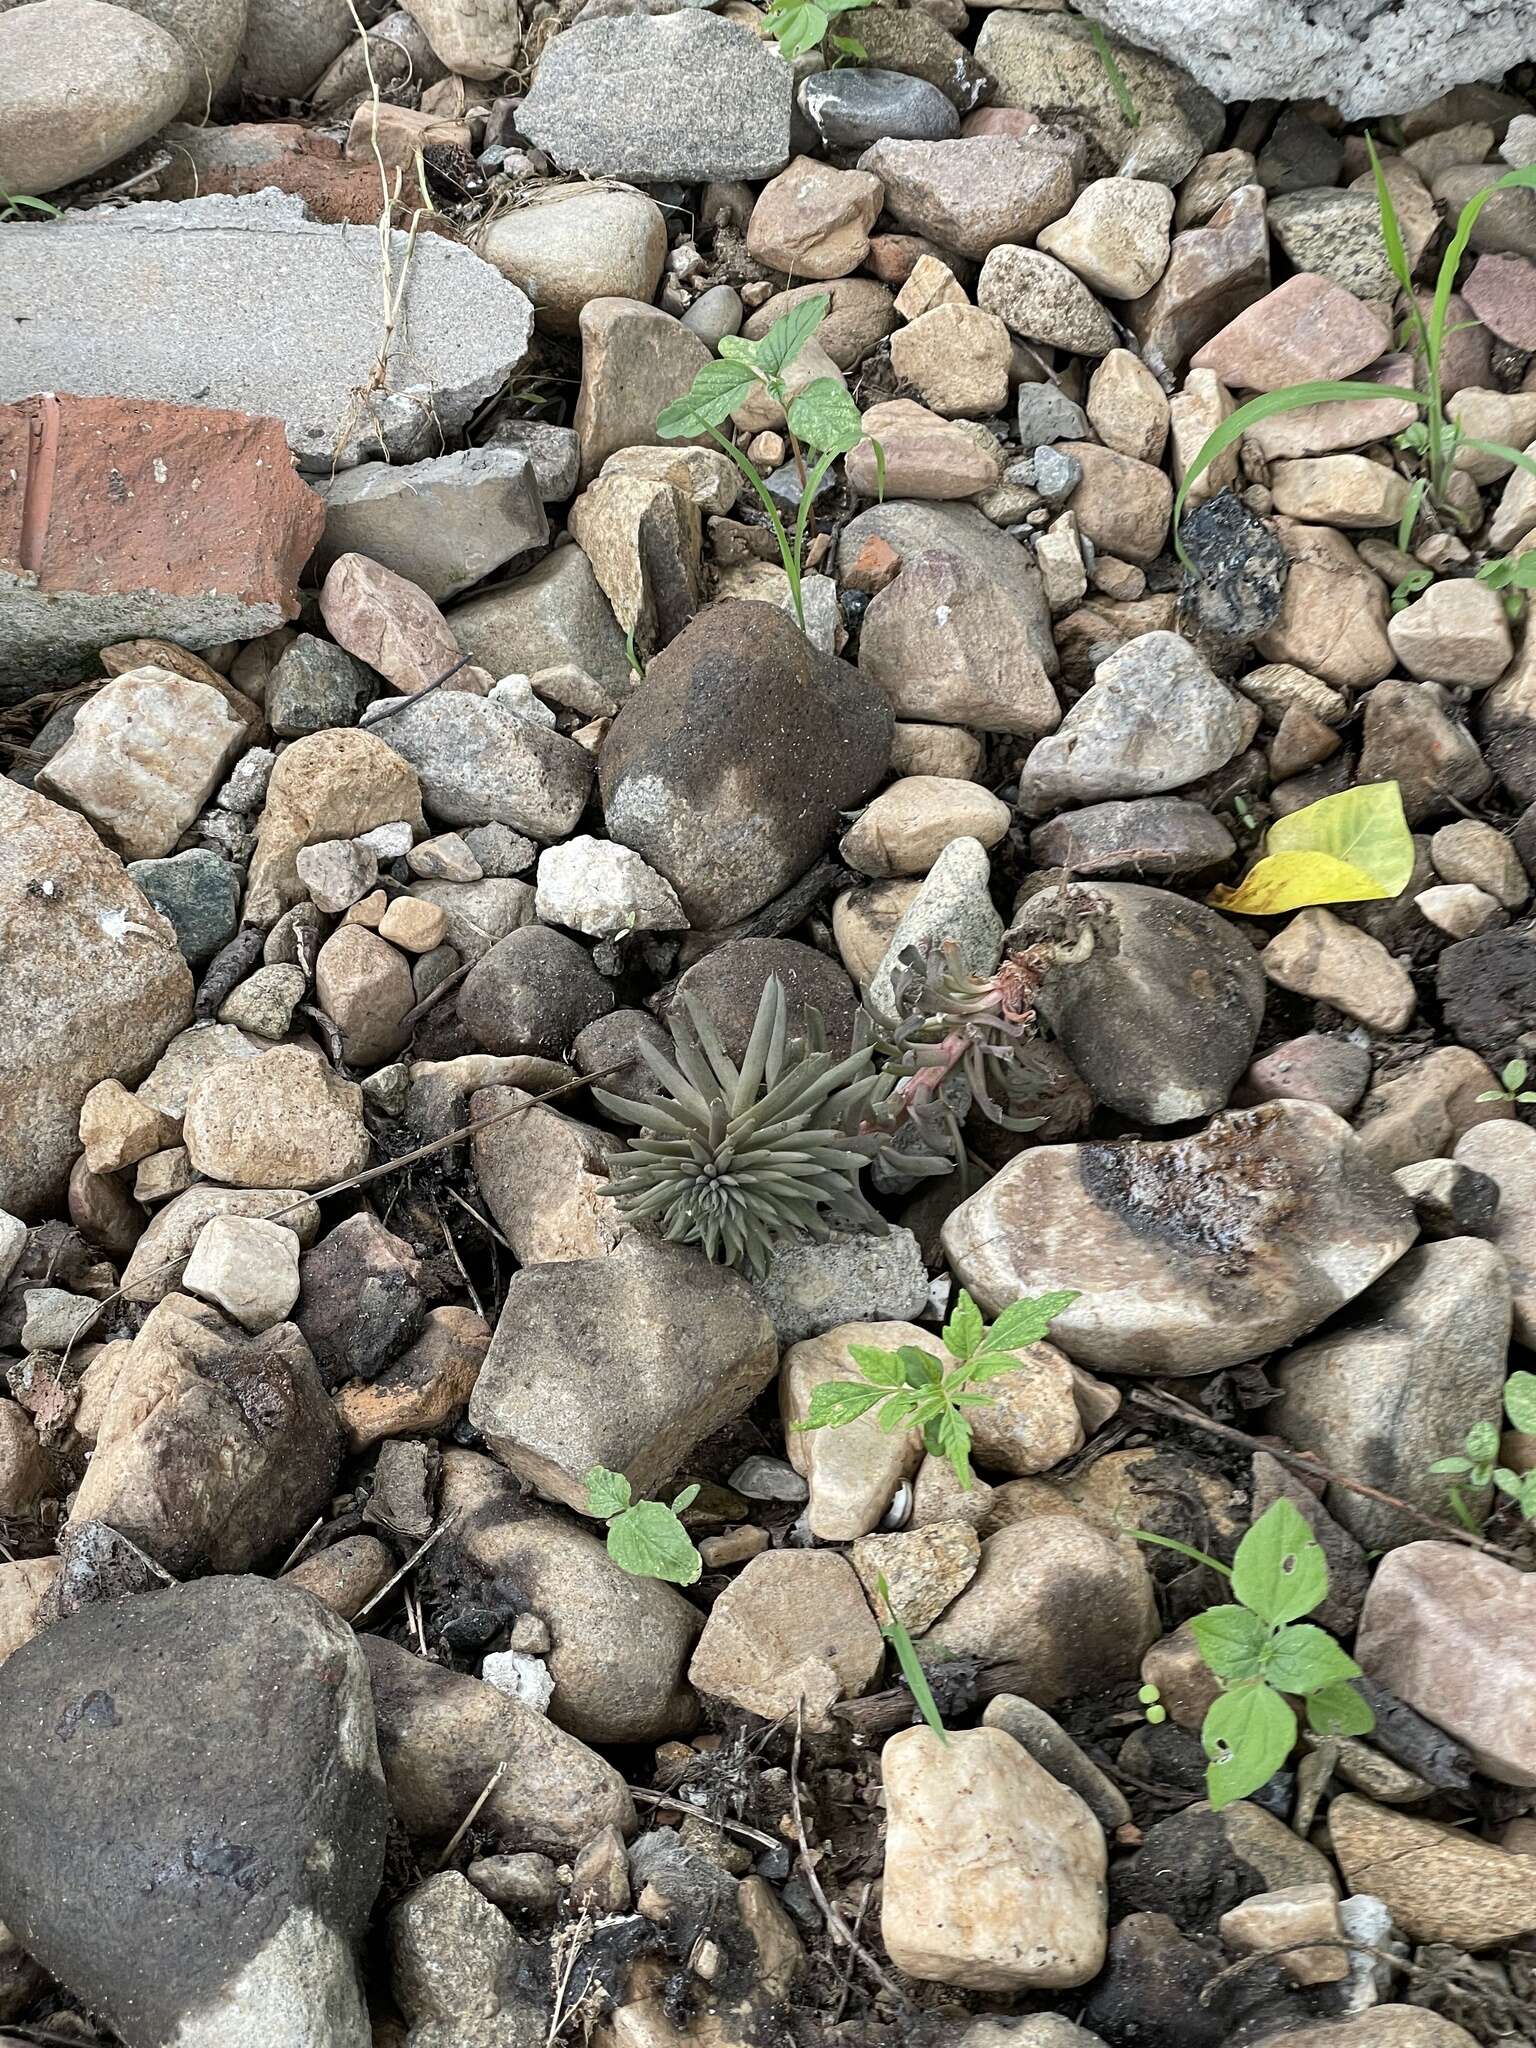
801	25
912	1389
1152	1700
895	1633
645	1537
1511	1086
1261	1649
1514	575
1477	1465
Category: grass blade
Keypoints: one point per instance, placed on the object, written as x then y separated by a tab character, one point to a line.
895	1634
1115	75
1505	454
1451	262
1391	231
1406	524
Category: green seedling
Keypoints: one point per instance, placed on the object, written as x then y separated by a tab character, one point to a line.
800	25
14	204
1117	85
910	1388
1434	438
645	1537
1150	1698
821	419
1514	575
1511	1086
895	1633
1478	1464
1262	1650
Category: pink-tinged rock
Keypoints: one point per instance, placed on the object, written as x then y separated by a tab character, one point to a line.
1502	293
1213	273
391	624
1305	329
121	517
1453	1633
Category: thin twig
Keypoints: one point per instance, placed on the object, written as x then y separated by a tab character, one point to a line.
836	1924
574	1939
847	1984
302	1545
453	1253
1420	1972
1182	1411
686	1806
394	705
472	1816
414	1559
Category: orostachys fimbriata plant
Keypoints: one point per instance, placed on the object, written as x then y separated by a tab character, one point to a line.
736	1159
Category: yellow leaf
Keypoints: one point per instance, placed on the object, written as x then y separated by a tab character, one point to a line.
1351	848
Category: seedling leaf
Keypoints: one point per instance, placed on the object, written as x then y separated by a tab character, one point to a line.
607	1492
1306	1659
826	418
963	1331
1231	1640
1279	1570
895	1633
792	330
1027	1322
1247	1735
649	1542
713	396
1339	1710
1520	1402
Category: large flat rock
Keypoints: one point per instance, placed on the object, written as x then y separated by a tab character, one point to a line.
250	304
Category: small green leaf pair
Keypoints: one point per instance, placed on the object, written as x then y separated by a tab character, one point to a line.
1511	1088
800	25
1512	574
1262	1650
645	1537
913	1389
1478	1465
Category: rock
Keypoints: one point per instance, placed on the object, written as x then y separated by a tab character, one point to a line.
994	1872
635	360
289	44
425	1389
1421	1112
364	986
1060	1600
573	244
134	565
458	1971
852	109
602	889
106	988
1470	851
1333	614
910	529
1506	1152
1384	2026
689	1346
1450	1200
273	1697
1359	66
642	537
533	992
923	48
726	113
387	621
790	1632
523	1883
953	903
475	763
1155	836
1121	506
923	1570
346	1576
316	685
362	1300
443	524
555	613
1042	300
813	220
197	893
1438	1883
1306	328
1336	423
926	457
1302	1207
956	358
946	641
1043	60
1156	1000
729	982
441	1737
282	1118
908	825
1457	632
86	83
1408	738
1155	718
852	1471
544	1177
1115	237
330	785
1336	234
1349	491
1054	1750
1213	273
1363	1397
972	194
1127	408
1284	1922
246	1266
481	40
810	1286
727	848
1319	955
221	289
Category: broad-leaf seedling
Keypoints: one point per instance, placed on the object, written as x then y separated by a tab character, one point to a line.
645	1537
801	25
910	1388
1511	1086
1478	1465
1261	1650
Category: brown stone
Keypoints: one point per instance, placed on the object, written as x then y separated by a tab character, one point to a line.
859	316
257	156
1304	329
422	1392
1439	1883
334	784
364	985
1127	407
387	622
948	643
1123	506
1333	614
925	456
792	1629
26	1599
956	359
1213	273
972	194
813	220
345	1577
635	360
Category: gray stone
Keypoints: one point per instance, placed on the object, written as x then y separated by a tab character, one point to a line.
1189	1253
1050	1744
1356	58
442	524
729	982
1155	999
1152	836
715	314
317	685
533	992
847	1278
554	452
724	111
554	614
118	1785
850	109
1337	234
1449	1198
1046	414
289	43
953	902
479	765
457	1970
1399	1383
181	302
1048	60
197	892
672	1348
80	85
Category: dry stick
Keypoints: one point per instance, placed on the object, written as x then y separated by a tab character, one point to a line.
470	1818
415	1558
687	1808
302	1545
394	705
847	1984
836	1924
1446	1974
1182	1411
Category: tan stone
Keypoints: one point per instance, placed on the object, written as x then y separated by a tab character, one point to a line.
792	1630
861	315
1515	514
1506	1150
26	1598
387	622
1185	1682
145	754
635	360
567	245
347	1575
1059	558
922	1571
974	194
956	358
1423	1110
1384	2026
1115	237
643	539
1032	1420
1305	329
1194	414
1470	851
334	784
281	1120
1213	273
705	475
1278	687
1122	505
1337	423
1042	300
945	750
364	986
932	283
1349	491
544	1177
423	1391
813	220
1318	955
1507	417
852	1471
909	824
1457	632
414	924
1333	614
26	1471
925	456
994	1872
117	1129
1280	1921
1127	407
1439	1883
760	412
948	643
863	923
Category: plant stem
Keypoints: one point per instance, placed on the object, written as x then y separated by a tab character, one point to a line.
787	555
1461	1511
1184	1550
808	489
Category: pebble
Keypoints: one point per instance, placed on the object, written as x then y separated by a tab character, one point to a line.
1115	237
1348	491
1150	836
853	1471
364	986
1409	738
811	1285
972	194
1122	506
1319	955
1459	909
246	1266
926	456
337	873
1282	1922
1317	1067
854	108
1042	300
574	244
1336	235
330	785
86	83
813	220
316	685
911	821
956	358
1126	407
1052	1747
791	1631
953	902
1439	1883
922	1570
477	764
442	525
280	1119
1305	329
994	1872
602	889
1457	632
946	642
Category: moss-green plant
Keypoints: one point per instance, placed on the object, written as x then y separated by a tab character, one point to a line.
1434	437
894	1630
1511	1086
822	418
800	25
645	1537
911	1388
14	204
739	1158
1513	576
1477	1465
1262	1651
